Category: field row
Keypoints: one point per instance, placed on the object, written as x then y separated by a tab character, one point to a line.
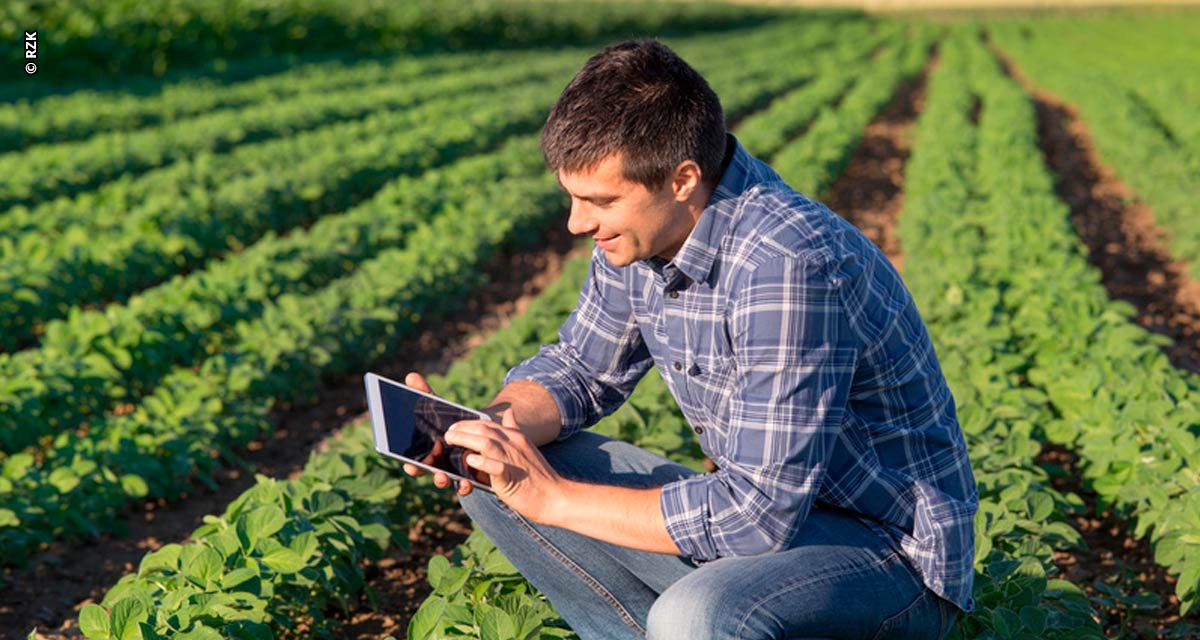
1139	99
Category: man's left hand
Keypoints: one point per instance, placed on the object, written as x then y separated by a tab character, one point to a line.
519	473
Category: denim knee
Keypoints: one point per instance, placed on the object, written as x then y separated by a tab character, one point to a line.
691	613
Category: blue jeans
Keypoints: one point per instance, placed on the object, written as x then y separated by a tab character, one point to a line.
841	577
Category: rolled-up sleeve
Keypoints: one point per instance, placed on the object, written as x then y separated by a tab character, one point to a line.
794	357
600	355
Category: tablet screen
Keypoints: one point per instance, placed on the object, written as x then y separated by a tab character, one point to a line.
416	425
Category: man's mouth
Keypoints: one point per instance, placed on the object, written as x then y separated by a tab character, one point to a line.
605	243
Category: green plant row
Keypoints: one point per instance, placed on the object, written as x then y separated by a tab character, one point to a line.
307	176
96	359
87	112
1149	57
195	416
139	103
814	161
1110	392
91	38
765	132
1126	129
48	172
1021	519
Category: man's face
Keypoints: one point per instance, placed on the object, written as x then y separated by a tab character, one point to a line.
626	220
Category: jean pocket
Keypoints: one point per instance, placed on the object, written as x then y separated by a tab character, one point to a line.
922	619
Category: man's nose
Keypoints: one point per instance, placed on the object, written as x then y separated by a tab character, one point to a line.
579	222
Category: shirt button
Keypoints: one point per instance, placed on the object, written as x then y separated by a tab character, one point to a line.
698	430
674	295
678	366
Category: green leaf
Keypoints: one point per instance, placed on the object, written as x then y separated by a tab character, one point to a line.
425	621
261	523
1040	506
127	615
452	582
436	569
283	560
237	577
205	568
134	486
1033	619
94	622
201	632
64	479
9	519
496	624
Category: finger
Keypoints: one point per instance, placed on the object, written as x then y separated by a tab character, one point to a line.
417	381
465	488
482	428
441	480
490	466
413	470
479	443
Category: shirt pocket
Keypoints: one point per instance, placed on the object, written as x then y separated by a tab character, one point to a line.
710	385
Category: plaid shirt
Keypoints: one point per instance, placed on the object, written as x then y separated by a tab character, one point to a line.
800	361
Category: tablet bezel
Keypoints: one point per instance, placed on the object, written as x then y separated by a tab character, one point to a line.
379	429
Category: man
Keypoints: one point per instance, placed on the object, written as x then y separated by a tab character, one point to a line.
843	502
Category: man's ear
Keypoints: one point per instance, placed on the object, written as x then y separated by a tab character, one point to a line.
685	180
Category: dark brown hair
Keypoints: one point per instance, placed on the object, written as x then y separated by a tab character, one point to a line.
640	99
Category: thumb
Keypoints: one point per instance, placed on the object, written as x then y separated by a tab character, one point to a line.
417	381
507	420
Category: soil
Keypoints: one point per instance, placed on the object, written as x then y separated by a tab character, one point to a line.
1122	239
51	589
870	193
1112	557
1128	248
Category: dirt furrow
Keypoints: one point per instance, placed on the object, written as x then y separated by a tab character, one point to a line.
1117	571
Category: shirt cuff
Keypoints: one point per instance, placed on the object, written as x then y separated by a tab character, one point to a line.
685	509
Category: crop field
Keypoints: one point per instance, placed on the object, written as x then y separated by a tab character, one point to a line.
214	217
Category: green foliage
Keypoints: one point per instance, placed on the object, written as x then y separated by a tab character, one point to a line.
199	208
478	594
96	359
89	38
1133	80
811	163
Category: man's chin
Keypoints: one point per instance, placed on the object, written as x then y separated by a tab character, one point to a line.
617	260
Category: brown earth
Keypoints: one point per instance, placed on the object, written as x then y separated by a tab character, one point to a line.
49	592
870	193
1124	243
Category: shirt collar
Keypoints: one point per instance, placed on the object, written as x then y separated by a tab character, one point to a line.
695	258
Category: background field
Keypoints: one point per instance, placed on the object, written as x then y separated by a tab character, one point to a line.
215	216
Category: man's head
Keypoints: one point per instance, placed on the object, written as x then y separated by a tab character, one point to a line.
637	138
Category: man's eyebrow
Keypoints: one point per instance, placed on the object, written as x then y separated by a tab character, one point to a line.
596	199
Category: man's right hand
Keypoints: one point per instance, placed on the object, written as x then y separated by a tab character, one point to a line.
440	480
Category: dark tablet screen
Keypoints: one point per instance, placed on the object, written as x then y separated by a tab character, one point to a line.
416	426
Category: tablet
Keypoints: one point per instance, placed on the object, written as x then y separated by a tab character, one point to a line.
410	425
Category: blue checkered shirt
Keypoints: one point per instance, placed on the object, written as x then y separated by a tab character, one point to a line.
799	359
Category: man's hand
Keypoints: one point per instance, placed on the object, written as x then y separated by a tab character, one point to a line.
519	473
440	480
